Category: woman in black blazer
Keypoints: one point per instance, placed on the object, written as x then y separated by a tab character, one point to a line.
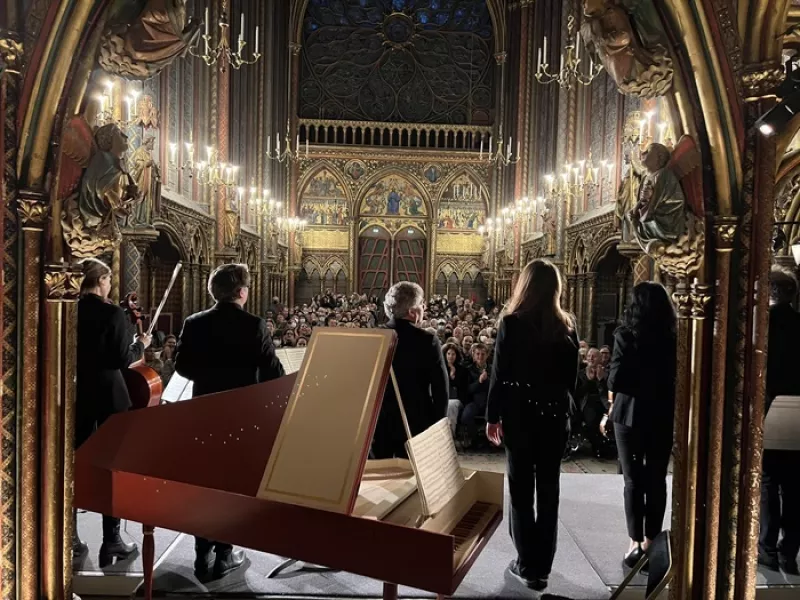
105	346
641	386
534	374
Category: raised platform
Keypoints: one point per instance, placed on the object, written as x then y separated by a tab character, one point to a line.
591	543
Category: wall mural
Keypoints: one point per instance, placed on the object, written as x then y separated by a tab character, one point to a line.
462	207
393	196
324	201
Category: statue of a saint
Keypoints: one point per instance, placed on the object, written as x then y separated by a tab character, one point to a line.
107	193
138	47
627	197
231	226
661	212
608	33
147	176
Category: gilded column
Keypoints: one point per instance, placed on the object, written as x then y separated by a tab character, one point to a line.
294	170
32	212
682	301
725	233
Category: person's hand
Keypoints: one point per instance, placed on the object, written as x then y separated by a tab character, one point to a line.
494	433
591	373
484	376
603	424
145	339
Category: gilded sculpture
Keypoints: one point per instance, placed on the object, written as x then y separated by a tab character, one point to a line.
664	222
231	226
145	36
106	195
638	69
147	176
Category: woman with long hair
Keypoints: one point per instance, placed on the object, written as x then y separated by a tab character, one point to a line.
534	374
641	384
457	383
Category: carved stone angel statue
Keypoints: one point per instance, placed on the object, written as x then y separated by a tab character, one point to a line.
91	216
145	36
608	33
667	223
147	176
627	198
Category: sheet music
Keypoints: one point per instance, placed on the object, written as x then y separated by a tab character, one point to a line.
291	358
376	499
435	461
180	388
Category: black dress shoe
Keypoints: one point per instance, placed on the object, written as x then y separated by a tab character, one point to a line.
228	562
535	583
79	549
203	563
116	548
769	561
788	564
633	557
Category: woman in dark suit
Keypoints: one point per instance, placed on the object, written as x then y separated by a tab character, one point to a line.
641	385
104	348
535	369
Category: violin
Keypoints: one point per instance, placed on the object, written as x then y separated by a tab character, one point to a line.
144	384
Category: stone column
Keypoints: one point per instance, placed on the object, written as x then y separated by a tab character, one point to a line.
580	311
134	246
591	320
204	300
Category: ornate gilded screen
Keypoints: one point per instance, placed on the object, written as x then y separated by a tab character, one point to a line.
405	61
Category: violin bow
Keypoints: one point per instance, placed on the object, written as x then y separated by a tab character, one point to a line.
157	314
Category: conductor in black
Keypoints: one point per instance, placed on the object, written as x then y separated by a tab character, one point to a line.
219	349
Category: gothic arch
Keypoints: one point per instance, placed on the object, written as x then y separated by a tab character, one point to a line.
333	170
470	174
602	249
175	238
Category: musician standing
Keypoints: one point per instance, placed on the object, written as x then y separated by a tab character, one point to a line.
219	349
104	349
421	374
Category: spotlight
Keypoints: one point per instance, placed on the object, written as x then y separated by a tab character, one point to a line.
776	118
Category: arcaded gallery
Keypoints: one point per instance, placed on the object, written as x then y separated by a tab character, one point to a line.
400	299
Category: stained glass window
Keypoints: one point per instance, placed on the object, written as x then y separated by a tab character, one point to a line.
407	61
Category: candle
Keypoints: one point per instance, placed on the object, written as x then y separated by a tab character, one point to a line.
173	151
297	143
517	148
481	154
490	147
561	64
128	101
269	141
255	46
539	60
662	129
241	28
642	124
207	30
578	48
544	50
591	64
306	148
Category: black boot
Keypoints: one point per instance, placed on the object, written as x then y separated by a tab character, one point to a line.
79	548
227	562
203	559
113	545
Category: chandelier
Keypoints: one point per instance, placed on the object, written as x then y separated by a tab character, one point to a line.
569	73
501	156
223	54
105	107
285	153
578	178
260	204
210	172
292	224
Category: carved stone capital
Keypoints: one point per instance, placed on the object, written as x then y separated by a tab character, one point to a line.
700	296
295	48
725	232
32	210
683	302
501	57
761	80
62	284
10	54
141	237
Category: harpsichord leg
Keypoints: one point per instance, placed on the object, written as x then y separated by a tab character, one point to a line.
389	591
148	560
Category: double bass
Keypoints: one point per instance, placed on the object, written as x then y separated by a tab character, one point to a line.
144	384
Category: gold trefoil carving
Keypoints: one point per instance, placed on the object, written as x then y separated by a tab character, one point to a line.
62	285
725	230
141	46
761	80
639	68
700	296
32	214
10	55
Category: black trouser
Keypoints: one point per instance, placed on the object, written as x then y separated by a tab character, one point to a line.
533	463
644	457
780	503
203	546
476	408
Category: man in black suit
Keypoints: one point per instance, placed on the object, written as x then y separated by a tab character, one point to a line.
220	349
420	370
780	487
